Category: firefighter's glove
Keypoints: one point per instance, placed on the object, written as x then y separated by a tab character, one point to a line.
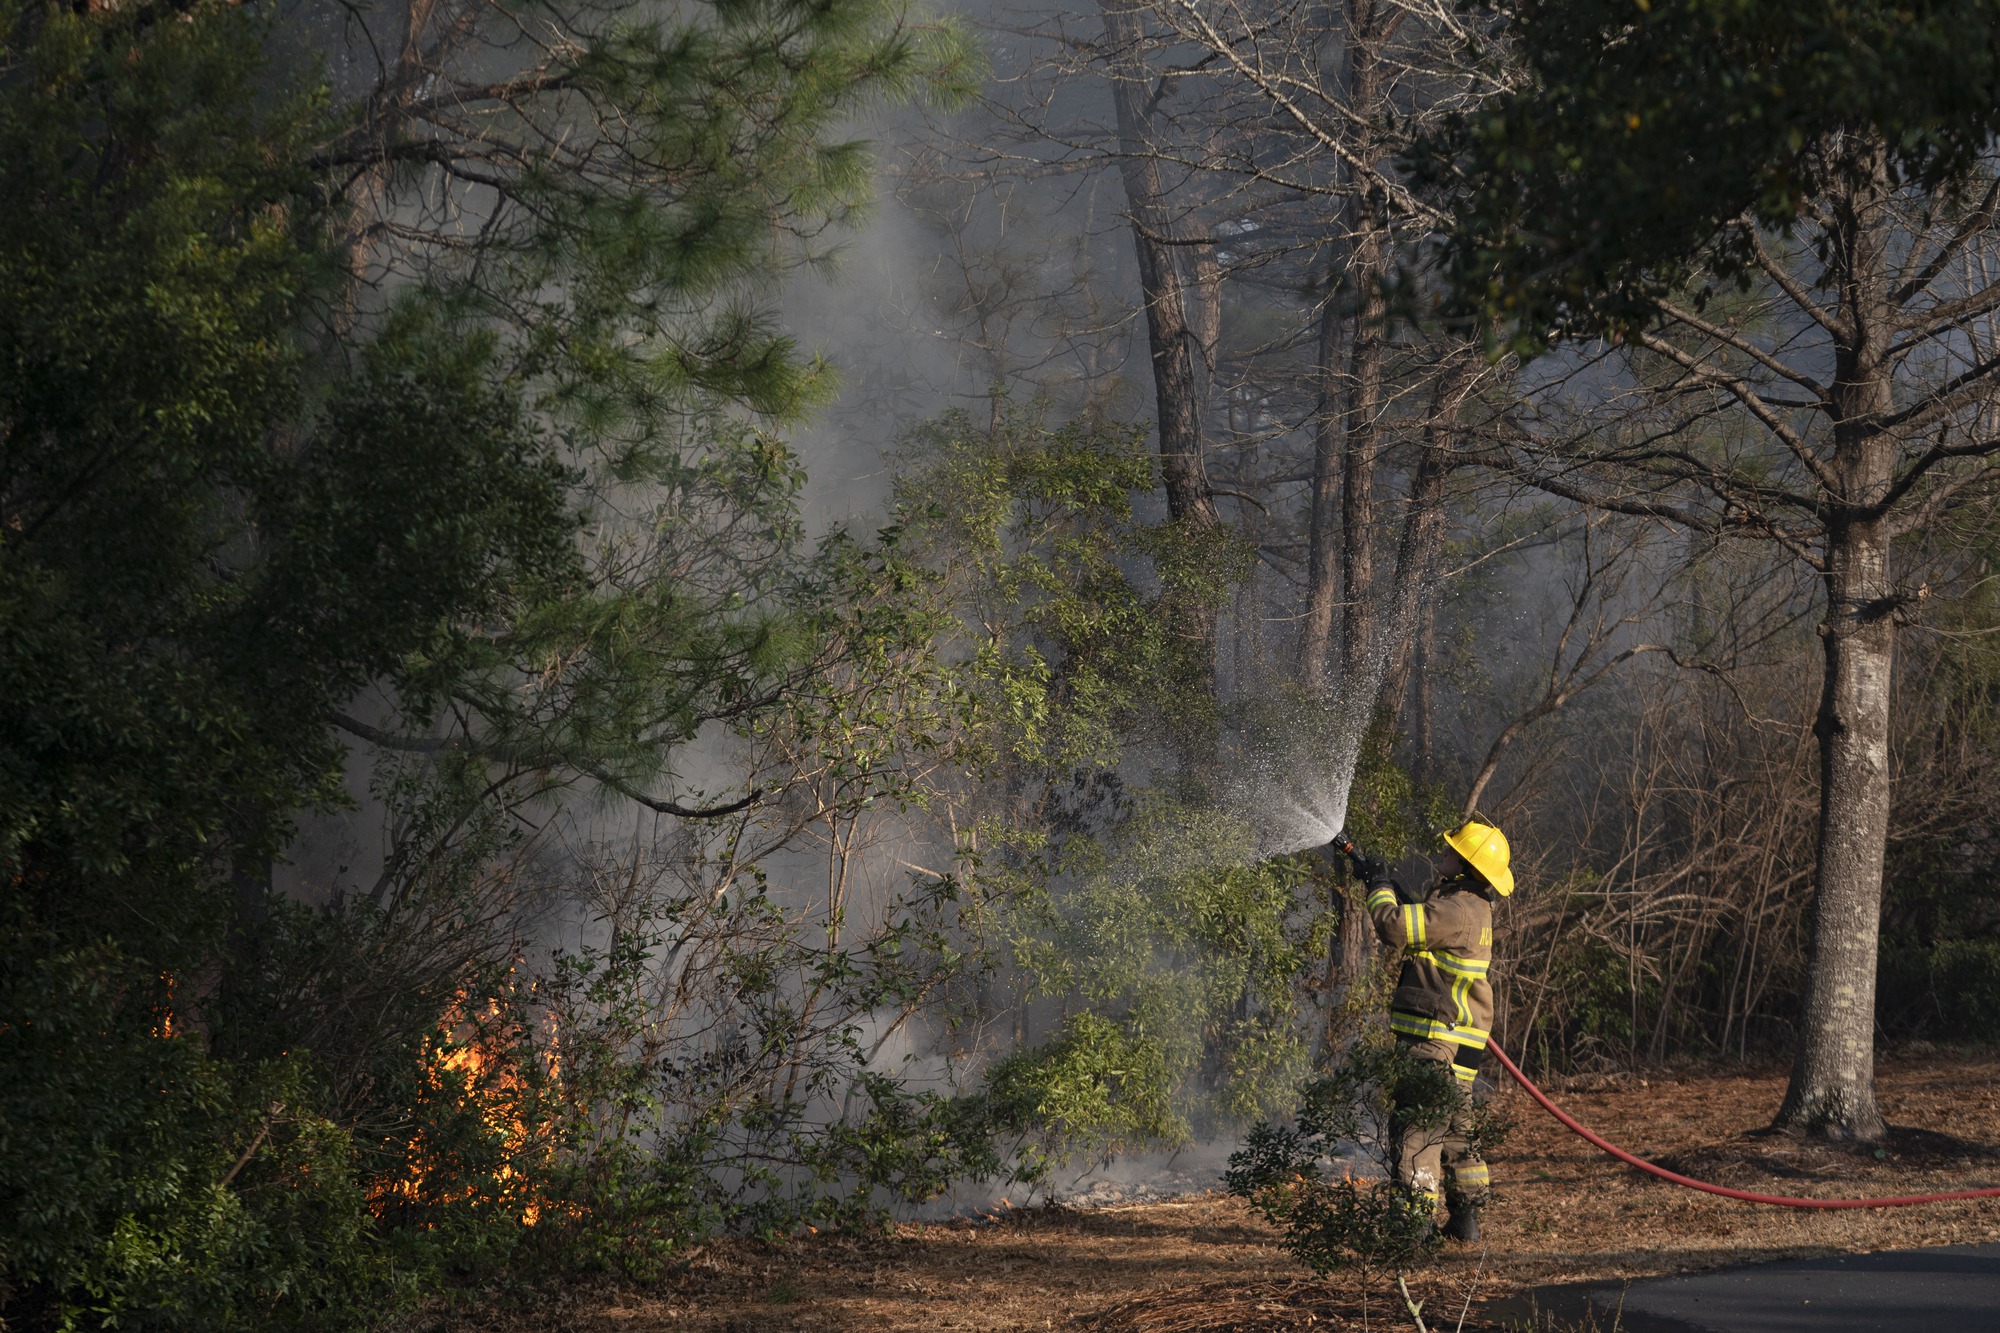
1372	869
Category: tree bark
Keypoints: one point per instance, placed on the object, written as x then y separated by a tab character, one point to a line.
1348	955
1206	307
1361	441
1347	441
1323	543
1179	370
1423	531
1423	727
1173	342
1832	1089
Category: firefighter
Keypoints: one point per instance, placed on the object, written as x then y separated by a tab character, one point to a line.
1443	1005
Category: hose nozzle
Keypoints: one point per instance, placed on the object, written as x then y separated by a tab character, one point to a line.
1343	844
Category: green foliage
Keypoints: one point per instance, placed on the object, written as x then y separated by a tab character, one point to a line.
509	511
1947	988
717	1062
147	1180
1598	1006
642	193
1184	953
1350	1220
1644	131
1064	591
1165	952
1099	1086
634	1156
1389	811
1941	909
148	292
199	560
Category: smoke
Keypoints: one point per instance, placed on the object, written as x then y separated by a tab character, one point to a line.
870	312
913	320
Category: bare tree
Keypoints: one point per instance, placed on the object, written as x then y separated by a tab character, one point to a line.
1594	641
1837	413
1340	102
1255	149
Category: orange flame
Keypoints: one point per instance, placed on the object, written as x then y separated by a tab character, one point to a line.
475	1050
163	1012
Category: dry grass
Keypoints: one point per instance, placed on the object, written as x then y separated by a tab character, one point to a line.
1565	1213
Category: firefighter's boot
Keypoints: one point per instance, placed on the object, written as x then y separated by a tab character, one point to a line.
1463	1225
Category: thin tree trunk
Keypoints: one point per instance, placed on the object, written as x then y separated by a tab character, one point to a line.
1349	952
1179	371
1174	343
1423	531
1832	1090
1347	442
1423	728
1361	440
1323	549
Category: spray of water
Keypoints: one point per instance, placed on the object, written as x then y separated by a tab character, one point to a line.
1297	781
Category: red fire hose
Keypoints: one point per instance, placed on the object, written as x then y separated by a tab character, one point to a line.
1779	1200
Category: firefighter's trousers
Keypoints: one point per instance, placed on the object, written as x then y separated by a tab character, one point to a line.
1441	1155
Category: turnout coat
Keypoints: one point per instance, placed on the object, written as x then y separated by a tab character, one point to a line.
1442	993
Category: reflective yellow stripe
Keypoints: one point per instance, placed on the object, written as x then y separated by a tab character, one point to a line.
1460	989
1413	1026
1381	898
1410	1025
1471	1175
1464	1075
1460	967
1416	1025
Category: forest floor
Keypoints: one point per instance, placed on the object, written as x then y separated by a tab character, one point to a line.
1564	1213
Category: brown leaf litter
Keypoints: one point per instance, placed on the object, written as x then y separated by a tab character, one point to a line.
1565	1213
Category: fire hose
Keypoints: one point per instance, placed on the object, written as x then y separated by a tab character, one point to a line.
1747	1196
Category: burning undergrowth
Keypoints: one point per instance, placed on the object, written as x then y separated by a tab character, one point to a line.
488	1120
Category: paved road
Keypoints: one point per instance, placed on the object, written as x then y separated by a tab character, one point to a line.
1951	1289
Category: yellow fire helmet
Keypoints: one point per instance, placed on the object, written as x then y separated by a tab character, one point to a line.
1485	848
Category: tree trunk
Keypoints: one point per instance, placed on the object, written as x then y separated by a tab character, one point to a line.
1174	343
1206	307
1832	1091
1423	725
1179	370
1348	955
1323	542
1361	441
1347	442
1423	532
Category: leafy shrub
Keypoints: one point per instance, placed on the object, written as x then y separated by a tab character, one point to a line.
151	1185
1304	1180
